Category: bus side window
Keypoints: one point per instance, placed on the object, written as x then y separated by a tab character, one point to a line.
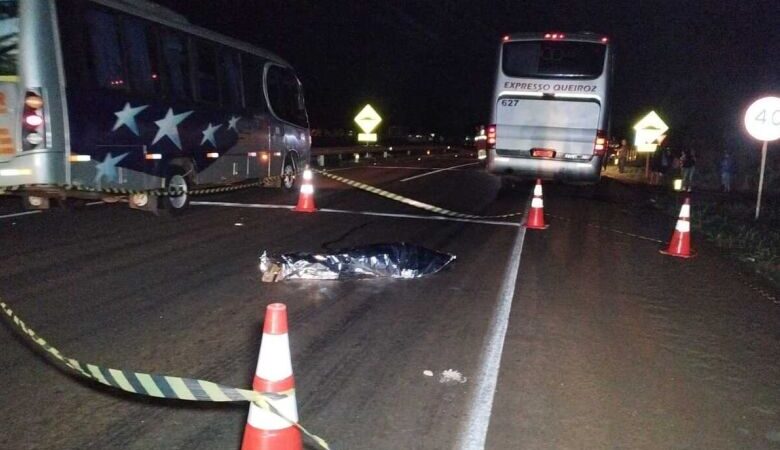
106	51
206	74
230	78
252	74
141	48
177	66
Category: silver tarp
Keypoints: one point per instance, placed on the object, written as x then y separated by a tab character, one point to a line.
396	260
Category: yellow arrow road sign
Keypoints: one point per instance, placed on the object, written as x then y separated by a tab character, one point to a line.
649	129
367	119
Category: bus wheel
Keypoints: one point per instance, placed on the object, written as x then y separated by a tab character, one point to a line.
178	183
33	202
288	175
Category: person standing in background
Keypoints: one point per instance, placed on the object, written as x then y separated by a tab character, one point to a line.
688	162
622	155
728	169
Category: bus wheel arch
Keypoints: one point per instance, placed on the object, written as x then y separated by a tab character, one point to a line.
185	164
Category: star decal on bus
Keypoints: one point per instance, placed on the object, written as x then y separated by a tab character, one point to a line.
233	122
208	134
126	117
107	168
168	126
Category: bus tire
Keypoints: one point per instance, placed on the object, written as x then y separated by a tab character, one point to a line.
288	175
35	202
176	179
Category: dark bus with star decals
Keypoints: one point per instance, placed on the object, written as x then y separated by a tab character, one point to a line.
113	99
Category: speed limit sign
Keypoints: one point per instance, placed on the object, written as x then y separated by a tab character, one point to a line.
762	119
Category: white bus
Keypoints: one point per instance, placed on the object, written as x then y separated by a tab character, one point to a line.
125	95
550	110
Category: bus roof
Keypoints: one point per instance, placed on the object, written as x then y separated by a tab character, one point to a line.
582	36
162	15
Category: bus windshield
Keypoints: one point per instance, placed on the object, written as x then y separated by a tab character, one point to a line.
553	59
9	38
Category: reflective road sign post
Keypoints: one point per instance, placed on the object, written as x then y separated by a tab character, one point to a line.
367	119
649	133
762	121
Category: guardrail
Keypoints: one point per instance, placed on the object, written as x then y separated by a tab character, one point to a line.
321	155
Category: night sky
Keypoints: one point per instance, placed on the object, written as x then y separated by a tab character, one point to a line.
429	65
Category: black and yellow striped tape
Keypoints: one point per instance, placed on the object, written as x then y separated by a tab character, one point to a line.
160	386
412	202
162	192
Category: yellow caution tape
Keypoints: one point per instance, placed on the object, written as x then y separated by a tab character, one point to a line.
412	202
160	386
162	192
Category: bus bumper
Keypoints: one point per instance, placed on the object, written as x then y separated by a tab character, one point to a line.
588	171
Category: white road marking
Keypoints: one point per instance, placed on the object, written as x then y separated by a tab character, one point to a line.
394	167
473	434
38	211
416	216
243	205
26	213
440	170
364	213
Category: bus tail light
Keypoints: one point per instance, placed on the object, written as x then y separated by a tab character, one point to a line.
491	137
600	146
33	121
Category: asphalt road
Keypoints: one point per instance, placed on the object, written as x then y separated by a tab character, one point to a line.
579	336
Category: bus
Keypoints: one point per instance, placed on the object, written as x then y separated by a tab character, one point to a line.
130	96
550	109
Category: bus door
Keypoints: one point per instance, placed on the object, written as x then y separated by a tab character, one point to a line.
294	141
255	151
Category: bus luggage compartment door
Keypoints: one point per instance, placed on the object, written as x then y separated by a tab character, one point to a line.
566	126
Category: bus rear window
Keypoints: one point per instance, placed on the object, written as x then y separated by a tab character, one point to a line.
542	59
9	37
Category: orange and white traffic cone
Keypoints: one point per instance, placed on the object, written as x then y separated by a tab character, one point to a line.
306	197
536	215
680	245
264	429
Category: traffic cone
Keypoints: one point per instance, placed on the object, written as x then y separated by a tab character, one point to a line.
536	216
680	244
306	197
264	429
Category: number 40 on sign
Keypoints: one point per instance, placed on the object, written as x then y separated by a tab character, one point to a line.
762	121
